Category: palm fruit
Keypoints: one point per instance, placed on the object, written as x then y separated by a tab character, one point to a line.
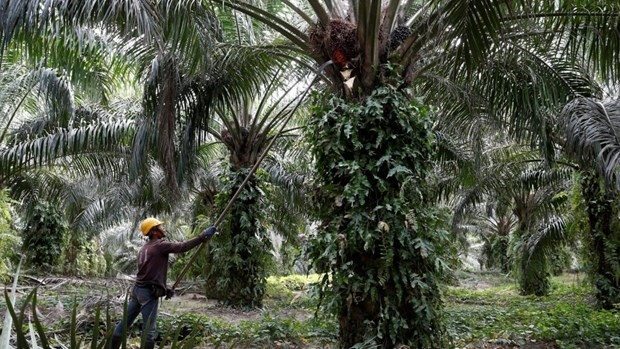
341	41
398	36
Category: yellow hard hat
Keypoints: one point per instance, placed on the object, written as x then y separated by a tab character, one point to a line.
148	224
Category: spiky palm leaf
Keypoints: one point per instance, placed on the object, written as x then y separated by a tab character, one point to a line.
161	26
545	240
177	131
289	198
31	92
43	150
468	30
592	129
492	178
521	88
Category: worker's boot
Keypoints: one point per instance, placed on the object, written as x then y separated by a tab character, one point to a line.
115	342
149	345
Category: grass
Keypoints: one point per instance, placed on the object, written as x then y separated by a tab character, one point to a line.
483	311
498	316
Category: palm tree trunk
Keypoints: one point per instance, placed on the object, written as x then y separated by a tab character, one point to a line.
379	238
237	272
533	275
604	236
531	264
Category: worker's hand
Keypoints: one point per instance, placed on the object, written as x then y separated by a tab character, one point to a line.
207	233
169	293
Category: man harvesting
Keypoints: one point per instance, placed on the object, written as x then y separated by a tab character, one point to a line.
151	278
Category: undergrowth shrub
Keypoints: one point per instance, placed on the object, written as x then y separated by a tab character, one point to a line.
494	317
567	317
10	242
295	282
44	236
293	291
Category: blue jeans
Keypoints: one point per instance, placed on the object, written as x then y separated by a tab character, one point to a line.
143	300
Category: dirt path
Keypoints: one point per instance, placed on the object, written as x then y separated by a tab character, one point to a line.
196	303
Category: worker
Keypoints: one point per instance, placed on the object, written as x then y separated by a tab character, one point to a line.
151	278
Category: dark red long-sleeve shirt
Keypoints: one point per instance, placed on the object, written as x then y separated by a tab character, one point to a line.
153	260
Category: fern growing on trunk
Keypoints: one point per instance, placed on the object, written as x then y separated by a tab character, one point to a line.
379	239
239	259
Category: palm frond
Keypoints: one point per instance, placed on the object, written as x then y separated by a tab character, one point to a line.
101	214
548	236
45	149
91	59
41	89
593	134
586	31
290	185
30	17
518	89
542	176
473	28
190	29
507	173
287	30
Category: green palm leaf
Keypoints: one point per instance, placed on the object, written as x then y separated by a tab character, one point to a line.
30	17
593	134
45	149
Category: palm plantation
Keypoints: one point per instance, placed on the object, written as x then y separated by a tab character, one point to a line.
524	206
398	75
192	87
50	129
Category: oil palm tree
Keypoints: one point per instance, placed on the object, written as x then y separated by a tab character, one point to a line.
532	209
496	231
75	170
240	259
217	103
49	132
511	63
151	36
542	219
591	129
492	224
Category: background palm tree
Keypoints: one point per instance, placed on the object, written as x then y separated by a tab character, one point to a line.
591	128
539	203
496	235
239	261
49	132
530	217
